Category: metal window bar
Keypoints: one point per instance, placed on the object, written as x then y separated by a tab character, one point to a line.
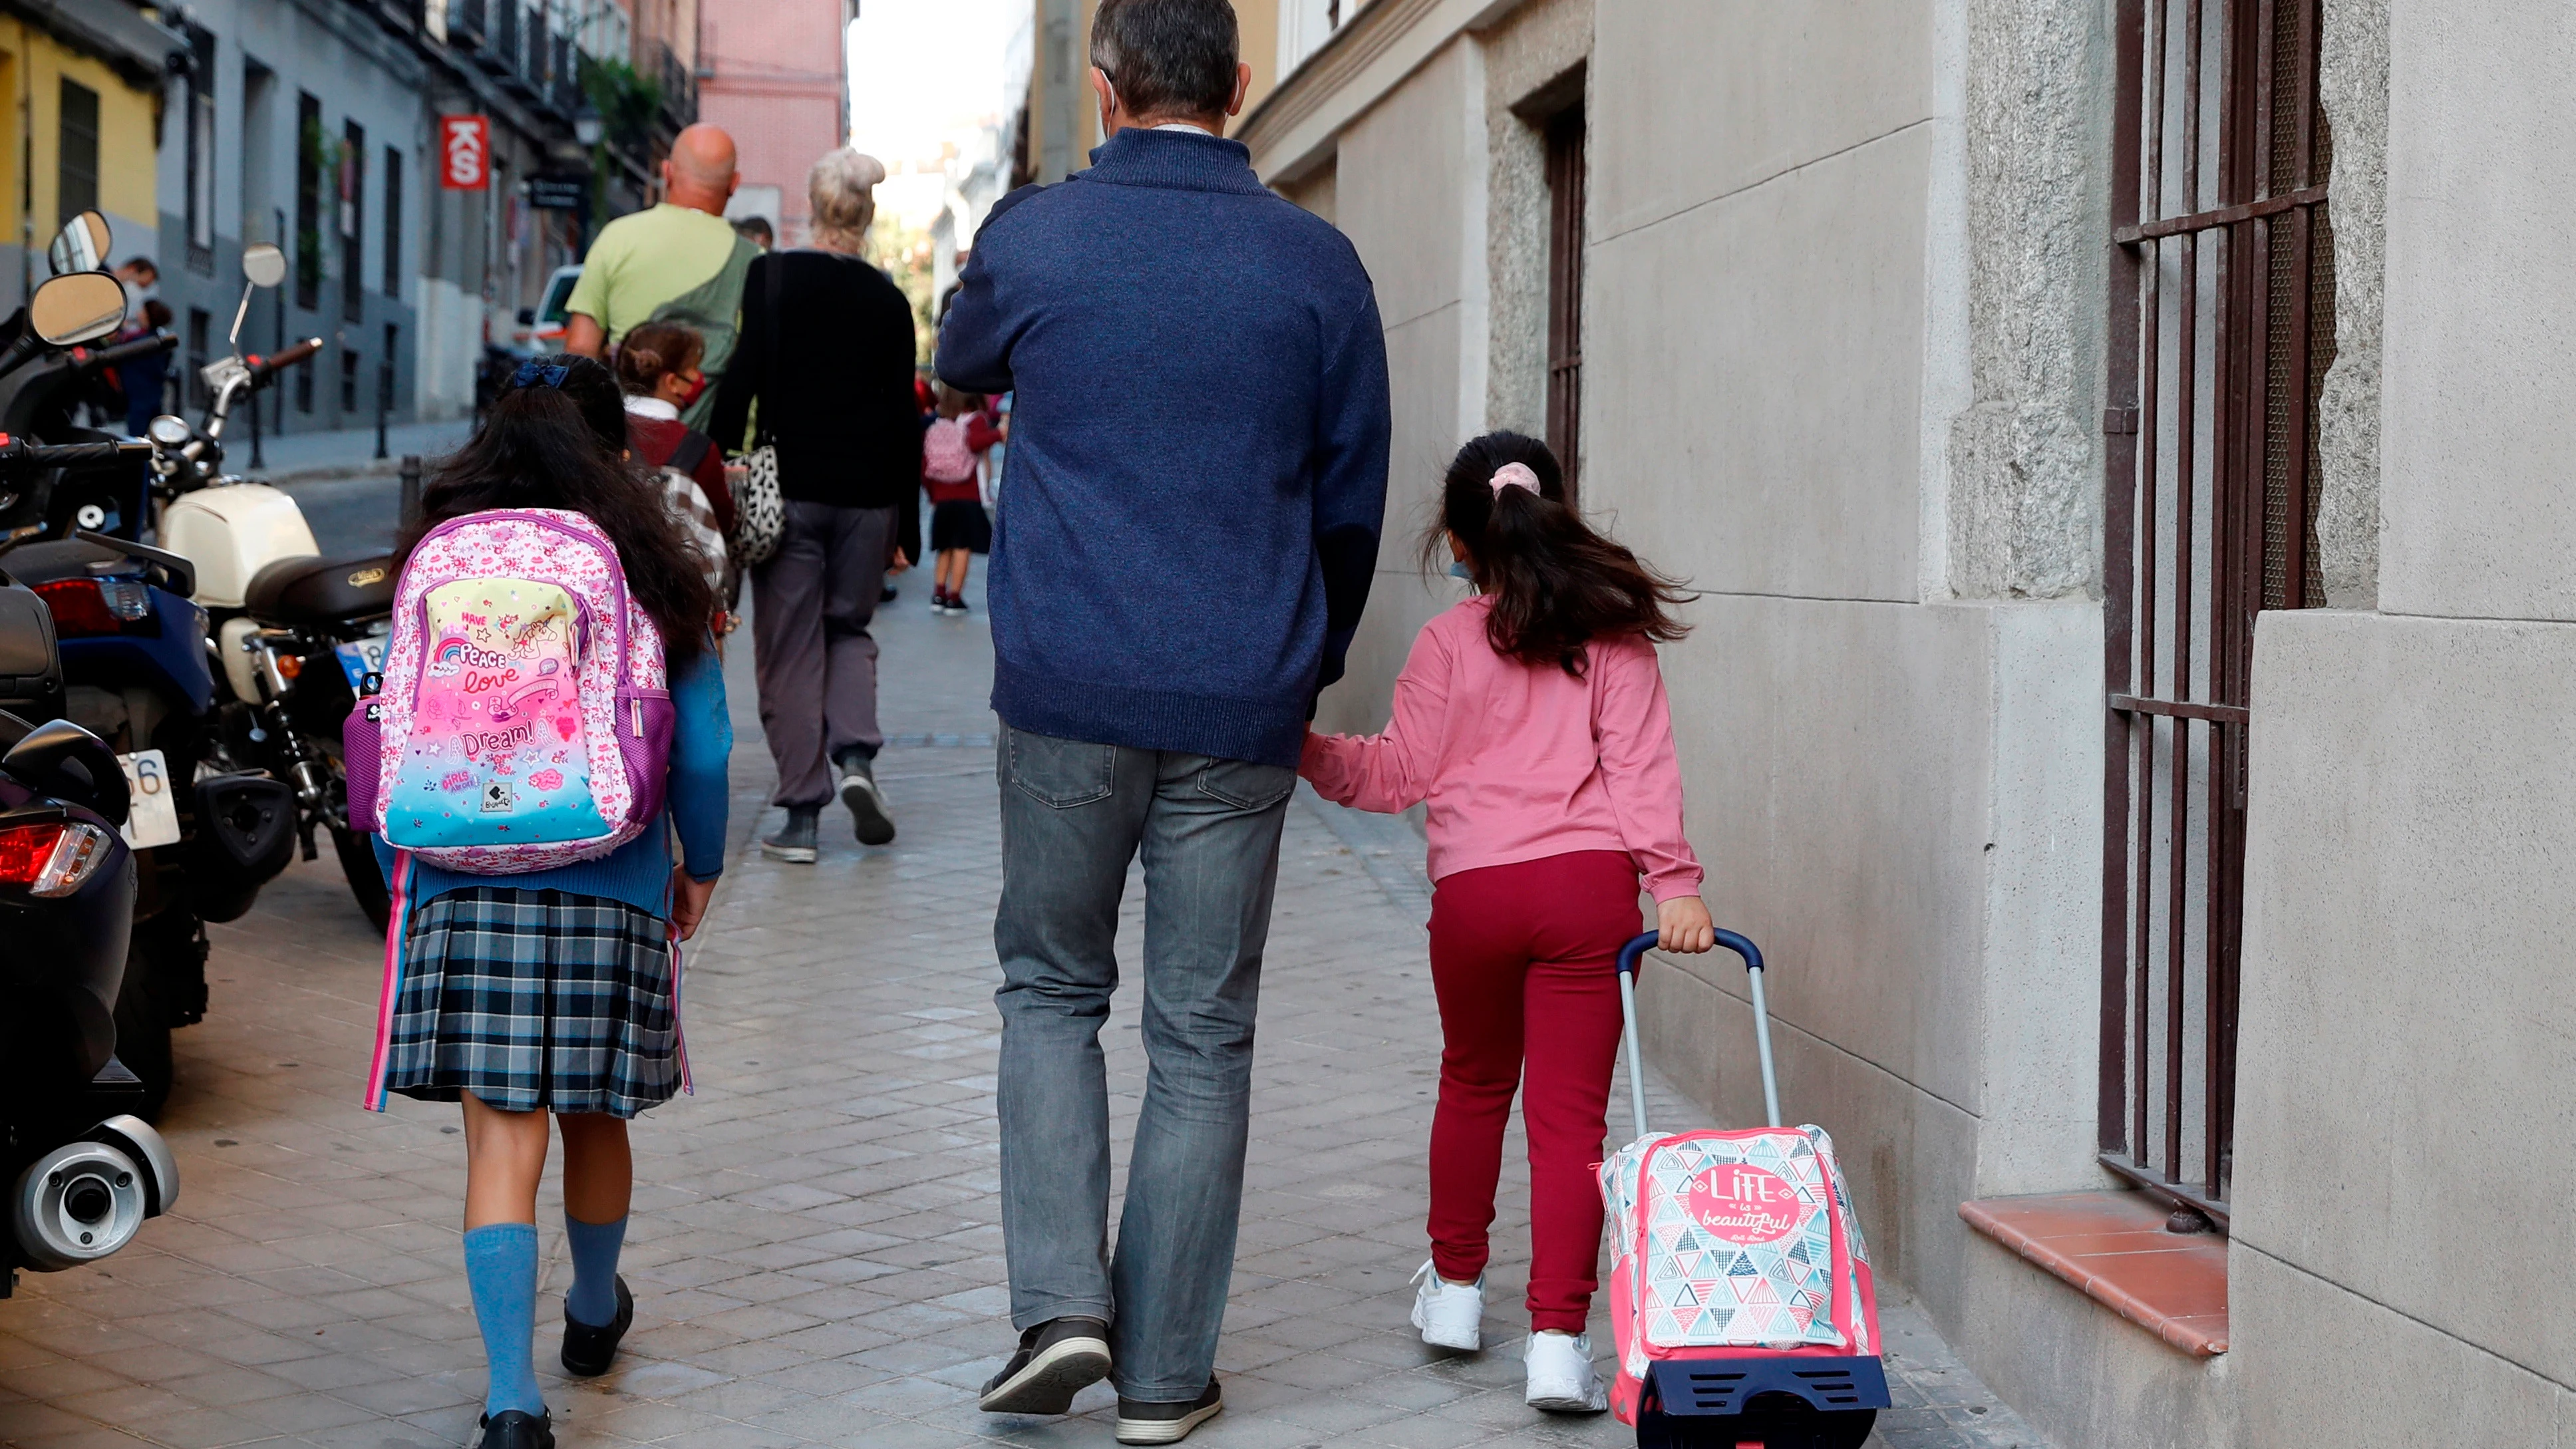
1566	182
2221	328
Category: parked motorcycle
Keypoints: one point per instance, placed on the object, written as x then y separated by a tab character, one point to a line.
294	631
134	652
134	647
83	1172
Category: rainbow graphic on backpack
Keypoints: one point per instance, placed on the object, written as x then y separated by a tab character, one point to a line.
525	716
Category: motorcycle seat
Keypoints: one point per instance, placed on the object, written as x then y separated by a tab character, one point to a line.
314	589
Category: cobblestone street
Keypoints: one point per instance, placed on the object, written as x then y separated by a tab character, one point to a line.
815	1245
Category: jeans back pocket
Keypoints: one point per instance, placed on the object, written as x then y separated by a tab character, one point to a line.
1245	785
1060	773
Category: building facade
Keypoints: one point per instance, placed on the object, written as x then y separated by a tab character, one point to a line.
82	87
1062	122
297	125
2127	713
316	125
776	77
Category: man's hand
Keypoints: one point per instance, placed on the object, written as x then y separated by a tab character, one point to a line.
1686	925
584	335
689	902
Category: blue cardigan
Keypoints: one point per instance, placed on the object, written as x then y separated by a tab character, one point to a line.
639	872
1198	449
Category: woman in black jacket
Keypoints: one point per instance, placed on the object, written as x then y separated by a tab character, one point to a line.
827	351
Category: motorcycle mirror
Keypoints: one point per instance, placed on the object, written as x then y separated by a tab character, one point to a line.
263	265
168	431
81	246
77	307
62	759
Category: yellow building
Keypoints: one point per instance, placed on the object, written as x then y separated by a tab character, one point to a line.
80	97
1064	120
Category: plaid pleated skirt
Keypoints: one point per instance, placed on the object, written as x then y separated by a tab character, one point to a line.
535	999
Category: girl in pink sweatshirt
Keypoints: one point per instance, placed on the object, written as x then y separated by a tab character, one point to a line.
1532	720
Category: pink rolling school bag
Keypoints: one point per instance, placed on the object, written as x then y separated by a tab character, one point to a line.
525	716
1741	1300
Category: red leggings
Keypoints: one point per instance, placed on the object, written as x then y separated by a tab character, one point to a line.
1521	959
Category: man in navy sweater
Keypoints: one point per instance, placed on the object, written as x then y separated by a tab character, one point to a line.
1198	476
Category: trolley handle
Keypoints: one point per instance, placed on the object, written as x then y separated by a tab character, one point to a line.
1632	956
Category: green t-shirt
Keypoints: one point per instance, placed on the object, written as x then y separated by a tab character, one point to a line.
668	264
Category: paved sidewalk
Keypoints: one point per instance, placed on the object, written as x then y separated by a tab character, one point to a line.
815	1248
342	451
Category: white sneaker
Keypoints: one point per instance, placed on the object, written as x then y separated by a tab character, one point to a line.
1561	1379
1450	1316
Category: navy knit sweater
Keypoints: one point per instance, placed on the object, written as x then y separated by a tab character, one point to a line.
1198	449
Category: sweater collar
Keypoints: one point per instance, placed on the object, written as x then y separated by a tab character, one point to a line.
1176	161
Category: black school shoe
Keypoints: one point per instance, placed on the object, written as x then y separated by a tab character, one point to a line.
587	1351
868	813
512	1429
1140	1422
1056	1360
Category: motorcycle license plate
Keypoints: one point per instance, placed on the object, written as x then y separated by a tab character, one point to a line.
361	659
153	816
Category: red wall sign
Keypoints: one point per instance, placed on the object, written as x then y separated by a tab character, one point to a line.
464	152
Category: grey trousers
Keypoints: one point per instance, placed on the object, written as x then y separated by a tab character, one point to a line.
811	604
1073	816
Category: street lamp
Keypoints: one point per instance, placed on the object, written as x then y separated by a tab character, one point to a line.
587	128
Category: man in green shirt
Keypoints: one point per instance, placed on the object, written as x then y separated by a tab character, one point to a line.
680	262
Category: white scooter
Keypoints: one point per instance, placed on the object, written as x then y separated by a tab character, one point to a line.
227	526
294	632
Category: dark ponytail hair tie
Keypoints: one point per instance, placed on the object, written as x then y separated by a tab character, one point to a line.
531	374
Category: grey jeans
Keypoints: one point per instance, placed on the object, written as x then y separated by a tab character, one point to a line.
1073	816
816	661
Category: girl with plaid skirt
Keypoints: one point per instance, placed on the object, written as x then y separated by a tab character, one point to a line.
556	991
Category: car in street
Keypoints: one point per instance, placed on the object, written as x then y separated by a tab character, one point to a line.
541	327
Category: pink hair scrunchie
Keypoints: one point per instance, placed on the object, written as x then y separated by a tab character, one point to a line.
1514	475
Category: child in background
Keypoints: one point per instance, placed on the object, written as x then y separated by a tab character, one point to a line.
959	527
556	991
657	370
1532	719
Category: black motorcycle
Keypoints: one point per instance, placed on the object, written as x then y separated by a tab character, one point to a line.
83	1171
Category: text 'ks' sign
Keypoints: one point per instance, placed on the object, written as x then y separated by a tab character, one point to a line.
464	152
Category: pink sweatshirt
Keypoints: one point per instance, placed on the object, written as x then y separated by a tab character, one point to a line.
1520	762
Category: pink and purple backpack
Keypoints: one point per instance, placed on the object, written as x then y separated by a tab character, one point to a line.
525	716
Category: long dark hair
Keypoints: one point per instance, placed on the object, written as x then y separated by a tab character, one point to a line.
564	447
1556	583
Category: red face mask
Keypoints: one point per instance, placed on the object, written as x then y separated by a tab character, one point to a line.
696	390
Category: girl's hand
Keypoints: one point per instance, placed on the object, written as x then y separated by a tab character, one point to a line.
689	902
1685	922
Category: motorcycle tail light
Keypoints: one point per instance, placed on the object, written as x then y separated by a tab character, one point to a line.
85	608
53	858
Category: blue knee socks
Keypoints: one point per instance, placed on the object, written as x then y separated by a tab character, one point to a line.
501	1272
592	1299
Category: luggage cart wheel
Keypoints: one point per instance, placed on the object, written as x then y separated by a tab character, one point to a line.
1773	1422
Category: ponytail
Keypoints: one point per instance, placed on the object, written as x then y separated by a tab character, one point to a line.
1555	583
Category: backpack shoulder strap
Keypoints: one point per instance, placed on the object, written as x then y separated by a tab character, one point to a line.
692	451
